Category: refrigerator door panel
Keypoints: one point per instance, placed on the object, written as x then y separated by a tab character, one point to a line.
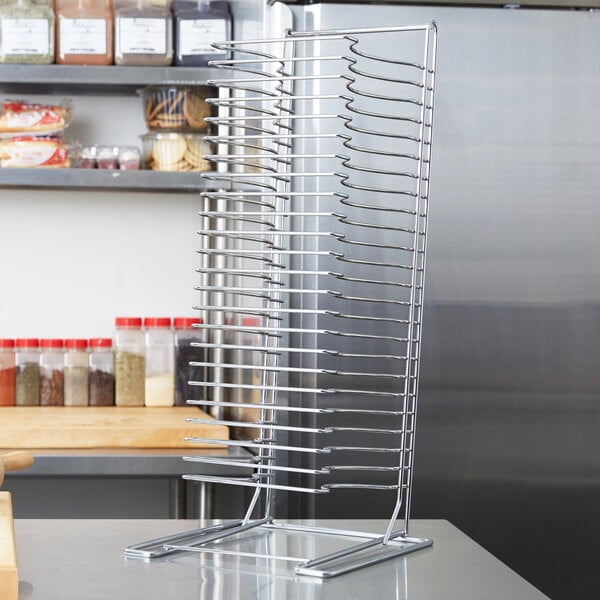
508	429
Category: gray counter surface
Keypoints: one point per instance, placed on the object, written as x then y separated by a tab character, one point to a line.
83	560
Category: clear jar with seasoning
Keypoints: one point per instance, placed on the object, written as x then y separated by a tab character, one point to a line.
27	364
160	368
27	32
84	32
198	24
7	372
130	363
188	348
76	372
101	372
143	35
52	372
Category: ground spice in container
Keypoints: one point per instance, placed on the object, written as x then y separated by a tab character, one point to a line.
187	332
102	388
76	372
130	379
7	372
130	362
26	32
52	375
52	388
27	380
101	372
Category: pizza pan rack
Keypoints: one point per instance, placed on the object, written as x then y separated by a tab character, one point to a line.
311	281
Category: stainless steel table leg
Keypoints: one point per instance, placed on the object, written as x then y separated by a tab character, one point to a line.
205	500
177	498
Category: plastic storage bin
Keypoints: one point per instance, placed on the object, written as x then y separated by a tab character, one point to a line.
143	35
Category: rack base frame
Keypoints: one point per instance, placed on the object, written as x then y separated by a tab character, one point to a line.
374	549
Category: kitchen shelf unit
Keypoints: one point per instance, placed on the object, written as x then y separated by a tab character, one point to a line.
99	81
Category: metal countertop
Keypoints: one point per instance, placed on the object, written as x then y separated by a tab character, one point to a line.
83	560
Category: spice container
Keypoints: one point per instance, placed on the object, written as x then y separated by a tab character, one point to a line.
143	35
198	25
27	32
101	372
7	372
160	370
84	32
27	363
76	372
188	337
130	368
52	372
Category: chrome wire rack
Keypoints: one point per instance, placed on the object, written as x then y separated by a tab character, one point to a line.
311	279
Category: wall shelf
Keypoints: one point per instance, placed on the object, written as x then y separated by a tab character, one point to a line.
105	180
113	80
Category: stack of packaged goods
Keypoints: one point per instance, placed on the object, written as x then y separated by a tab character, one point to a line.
31	134
175	117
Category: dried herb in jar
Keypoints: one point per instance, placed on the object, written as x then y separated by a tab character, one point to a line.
28	385
130	371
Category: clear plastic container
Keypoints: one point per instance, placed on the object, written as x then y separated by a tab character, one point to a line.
101	372
27	362
176	107
52	372
187	333
27	32
176	152
143	35
198	25
160	362
84	32
130	363
76	372
7	372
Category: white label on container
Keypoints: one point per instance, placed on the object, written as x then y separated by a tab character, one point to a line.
142	36
82	36
25	36
197	35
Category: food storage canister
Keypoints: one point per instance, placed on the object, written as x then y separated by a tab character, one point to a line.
188	348
27	363
27	32
176	152
7	372
52	372
198	25
76	372
160	369
130	364
143	35
101	372
84	32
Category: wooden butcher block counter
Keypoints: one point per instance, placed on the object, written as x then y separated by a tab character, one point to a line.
64	427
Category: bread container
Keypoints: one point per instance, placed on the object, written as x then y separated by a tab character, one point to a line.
176	152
